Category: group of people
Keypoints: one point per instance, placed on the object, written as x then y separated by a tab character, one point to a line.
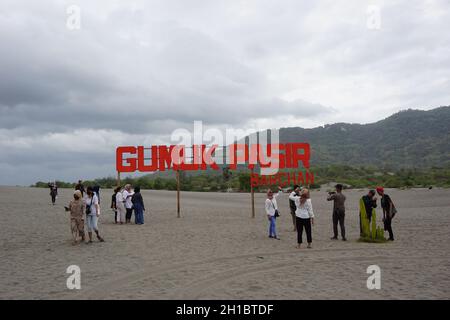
301	209
124	201
84	207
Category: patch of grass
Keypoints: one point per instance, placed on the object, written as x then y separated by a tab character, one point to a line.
370	240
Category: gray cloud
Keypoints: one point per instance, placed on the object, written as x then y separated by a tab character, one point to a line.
135	72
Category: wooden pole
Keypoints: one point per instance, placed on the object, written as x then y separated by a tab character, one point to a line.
253	197
307	173
118	178
178	194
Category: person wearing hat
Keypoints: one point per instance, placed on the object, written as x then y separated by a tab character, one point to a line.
389	211
370	202
77	208
338	211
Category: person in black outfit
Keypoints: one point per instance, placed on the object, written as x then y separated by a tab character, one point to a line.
389	211
53	191
370	202
79	186
338	211
113	203
292	206
138	205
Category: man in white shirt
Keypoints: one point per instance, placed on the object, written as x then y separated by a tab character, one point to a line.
127	194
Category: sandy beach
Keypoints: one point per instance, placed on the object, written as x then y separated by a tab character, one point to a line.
217	251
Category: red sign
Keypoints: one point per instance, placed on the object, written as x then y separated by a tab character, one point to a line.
282	179
277	156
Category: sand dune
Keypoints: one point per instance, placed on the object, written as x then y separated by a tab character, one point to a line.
216	251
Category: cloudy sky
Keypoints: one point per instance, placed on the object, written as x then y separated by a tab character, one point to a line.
134	71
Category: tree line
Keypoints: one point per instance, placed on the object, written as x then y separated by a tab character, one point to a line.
239	181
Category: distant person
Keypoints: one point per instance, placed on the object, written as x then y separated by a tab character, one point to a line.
272	212
127	194
389	211
92	213
138	206
295	193
113	203
53	191
120	206
97	192
79	186
370	202
305	217
77	208
338	211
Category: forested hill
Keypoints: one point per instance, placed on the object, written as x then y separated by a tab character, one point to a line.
411	138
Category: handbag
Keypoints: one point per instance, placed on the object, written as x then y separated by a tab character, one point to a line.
277	213
394	211
88	208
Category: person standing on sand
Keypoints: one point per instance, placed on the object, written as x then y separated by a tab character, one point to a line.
271	207
338	211
53	191
92	214
77	208
389	211
138	205
113	203
370	202
127	194
305	217
295	193
79	186
120	206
